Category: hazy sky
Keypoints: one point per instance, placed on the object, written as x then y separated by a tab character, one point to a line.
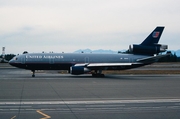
69	25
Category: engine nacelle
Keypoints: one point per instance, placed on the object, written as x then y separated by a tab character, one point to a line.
149	50
76	70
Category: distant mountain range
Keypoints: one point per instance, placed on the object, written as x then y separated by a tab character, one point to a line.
111	51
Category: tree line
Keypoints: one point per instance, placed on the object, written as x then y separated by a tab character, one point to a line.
170	58
7	57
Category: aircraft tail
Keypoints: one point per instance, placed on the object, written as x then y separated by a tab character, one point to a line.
154	37
150	45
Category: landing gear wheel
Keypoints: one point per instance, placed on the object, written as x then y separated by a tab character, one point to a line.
98	73
33	73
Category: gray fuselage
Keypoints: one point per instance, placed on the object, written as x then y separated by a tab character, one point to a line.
63	61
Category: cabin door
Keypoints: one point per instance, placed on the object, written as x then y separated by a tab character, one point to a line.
51	60
86	60
23	60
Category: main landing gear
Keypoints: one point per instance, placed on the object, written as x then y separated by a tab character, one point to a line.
98	73
33	73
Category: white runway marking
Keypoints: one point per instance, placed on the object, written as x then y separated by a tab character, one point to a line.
91	102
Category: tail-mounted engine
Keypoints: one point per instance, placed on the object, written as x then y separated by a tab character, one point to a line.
148	50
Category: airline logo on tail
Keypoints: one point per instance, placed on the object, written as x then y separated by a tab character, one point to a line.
155	34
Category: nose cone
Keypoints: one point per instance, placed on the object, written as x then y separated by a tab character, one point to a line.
11	62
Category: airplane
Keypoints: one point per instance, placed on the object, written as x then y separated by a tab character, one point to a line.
148	52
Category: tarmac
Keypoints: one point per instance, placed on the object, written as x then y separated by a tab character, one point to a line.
51	95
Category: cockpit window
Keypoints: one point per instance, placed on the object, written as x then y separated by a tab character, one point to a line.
15	58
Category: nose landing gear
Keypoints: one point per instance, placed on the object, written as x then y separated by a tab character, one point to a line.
33	73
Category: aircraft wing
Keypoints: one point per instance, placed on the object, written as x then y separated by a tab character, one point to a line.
90	65
138	61
108	64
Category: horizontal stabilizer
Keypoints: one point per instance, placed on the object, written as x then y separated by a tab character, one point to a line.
151	59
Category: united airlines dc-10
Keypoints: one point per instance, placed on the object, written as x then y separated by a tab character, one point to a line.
148	52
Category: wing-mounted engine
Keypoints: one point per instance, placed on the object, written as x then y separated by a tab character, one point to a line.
76	70
148	50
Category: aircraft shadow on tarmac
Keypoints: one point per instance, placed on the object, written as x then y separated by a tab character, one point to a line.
59	76
25	74
111	77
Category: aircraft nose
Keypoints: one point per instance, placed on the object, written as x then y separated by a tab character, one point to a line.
11	62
